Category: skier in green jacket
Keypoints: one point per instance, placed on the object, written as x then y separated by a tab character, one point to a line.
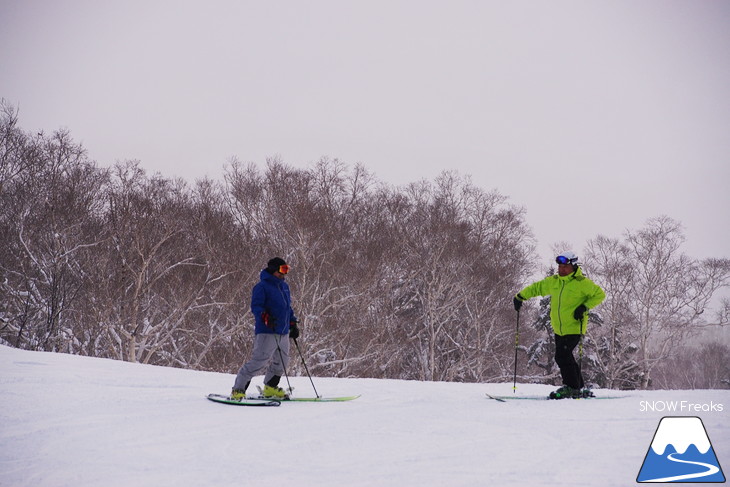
572	295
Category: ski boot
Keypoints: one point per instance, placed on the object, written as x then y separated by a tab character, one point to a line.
565	392
238	394
273	392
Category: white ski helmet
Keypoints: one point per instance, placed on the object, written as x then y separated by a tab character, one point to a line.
567	257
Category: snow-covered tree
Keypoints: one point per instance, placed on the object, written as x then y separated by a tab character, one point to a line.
50	225
656	297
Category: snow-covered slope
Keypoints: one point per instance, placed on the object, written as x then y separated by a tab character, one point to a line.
77	421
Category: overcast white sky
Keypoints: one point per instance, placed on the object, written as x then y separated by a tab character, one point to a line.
593	115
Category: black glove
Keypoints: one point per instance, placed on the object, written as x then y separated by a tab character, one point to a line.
579	312
517	302
293	330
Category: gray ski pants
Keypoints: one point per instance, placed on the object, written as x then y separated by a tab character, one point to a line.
265	355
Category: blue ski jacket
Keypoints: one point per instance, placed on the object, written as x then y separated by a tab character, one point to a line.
271	305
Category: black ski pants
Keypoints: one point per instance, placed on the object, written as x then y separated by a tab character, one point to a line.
569	368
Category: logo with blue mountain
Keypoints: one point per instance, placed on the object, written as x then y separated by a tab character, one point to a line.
681	452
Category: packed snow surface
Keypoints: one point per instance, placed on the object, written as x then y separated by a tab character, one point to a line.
78	421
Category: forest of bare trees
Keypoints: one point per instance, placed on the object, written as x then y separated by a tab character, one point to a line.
411	282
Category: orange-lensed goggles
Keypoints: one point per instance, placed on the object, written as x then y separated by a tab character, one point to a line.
284	269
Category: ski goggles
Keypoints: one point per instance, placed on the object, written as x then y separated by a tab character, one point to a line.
284	269
561	259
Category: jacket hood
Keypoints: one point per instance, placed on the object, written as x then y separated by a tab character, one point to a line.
266	276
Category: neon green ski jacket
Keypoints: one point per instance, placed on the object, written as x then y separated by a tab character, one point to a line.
567	293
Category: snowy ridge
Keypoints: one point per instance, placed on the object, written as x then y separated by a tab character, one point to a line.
78	421
680	432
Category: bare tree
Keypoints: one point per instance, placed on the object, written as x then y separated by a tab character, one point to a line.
706	366
656	297
16	148
615	362
464	250
50	223
159	265
410	282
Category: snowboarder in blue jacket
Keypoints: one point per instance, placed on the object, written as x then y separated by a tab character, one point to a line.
275	319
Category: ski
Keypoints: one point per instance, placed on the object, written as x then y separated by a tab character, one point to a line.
546	398
220	398
303	399
310	399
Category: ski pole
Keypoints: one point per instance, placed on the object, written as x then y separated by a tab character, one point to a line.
581	384
305	367
517	343
580	350
283	365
